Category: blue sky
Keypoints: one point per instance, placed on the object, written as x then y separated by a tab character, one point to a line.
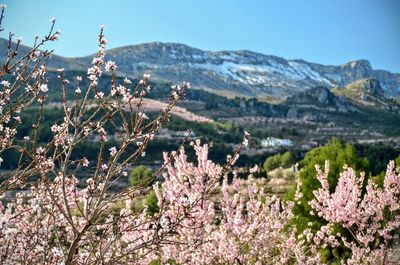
321	31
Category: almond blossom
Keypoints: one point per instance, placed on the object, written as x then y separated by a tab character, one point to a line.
206	214
371	216
110	66
44	88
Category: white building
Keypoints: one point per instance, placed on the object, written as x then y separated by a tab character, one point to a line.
276	142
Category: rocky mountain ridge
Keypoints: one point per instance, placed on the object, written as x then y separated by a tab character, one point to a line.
367	93
231	73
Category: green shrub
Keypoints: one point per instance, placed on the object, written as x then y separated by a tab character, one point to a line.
140	176
279	173
290	175
151	202
278	160
272	162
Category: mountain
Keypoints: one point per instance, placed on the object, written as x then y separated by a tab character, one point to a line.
55	61
243	72
338	111
367	92
231	73
316	103
322	99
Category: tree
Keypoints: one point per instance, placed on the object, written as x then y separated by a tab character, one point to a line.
272	162
151	203
53	221
286	159
244	232
278	160
368	213
140	175
338	155
57	220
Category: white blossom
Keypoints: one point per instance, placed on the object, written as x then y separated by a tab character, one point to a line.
113	151
5	83
44	88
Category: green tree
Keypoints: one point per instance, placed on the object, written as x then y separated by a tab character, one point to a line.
140	175
278	160
272	162
286	159
397	161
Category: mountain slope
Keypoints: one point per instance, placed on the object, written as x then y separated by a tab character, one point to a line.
368	93
55	61
318	99
243	72
231	73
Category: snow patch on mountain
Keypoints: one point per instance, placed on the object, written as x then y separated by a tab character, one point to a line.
305	71
261	74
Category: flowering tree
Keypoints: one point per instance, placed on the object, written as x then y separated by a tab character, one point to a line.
55	221
245	231
370	214
201	219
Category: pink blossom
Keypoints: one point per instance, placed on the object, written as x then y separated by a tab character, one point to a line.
113	151
110	66
85	162
103	134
